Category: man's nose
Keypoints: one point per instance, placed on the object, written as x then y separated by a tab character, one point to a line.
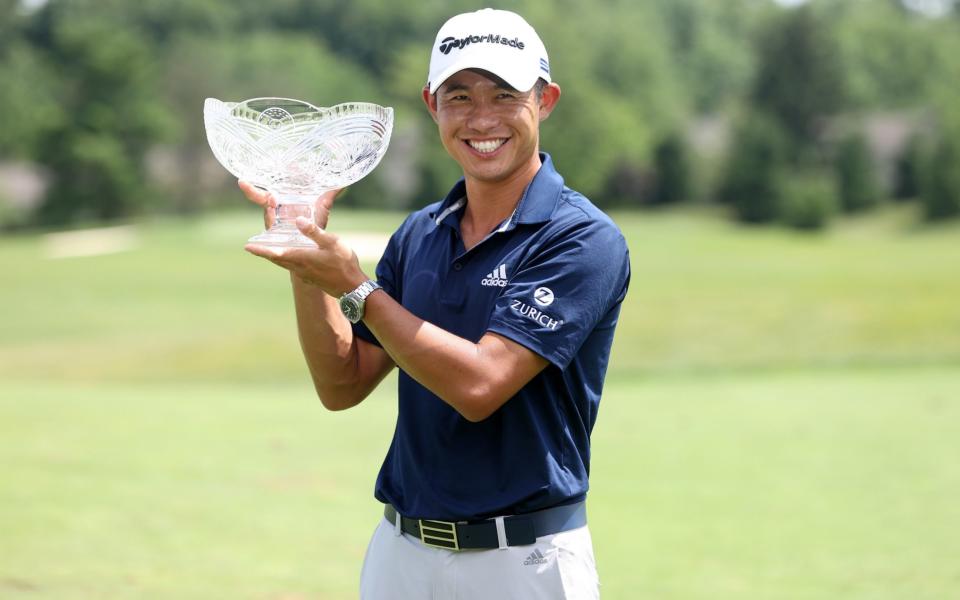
483	116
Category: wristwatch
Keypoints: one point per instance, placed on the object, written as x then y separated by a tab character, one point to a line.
352	303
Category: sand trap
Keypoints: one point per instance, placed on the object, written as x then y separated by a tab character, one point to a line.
368	246
91	242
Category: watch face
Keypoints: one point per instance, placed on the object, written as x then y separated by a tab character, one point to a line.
350	309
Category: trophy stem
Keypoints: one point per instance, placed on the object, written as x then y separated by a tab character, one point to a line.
284	232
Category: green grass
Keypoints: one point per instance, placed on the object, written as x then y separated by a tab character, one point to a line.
781	485
781	420
184	491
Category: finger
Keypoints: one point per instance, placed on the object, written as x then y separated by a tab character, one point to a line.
256	194
324	205
327	199
313	231
262	198
271	253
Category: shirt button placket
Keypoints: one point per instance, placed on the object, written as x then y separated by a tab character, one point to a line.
454	290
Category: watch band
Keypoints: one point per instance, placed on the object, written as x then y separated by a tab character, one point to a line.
365	289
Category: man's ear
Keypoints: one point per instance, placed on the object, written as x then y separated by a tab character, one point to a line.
431	101
549	99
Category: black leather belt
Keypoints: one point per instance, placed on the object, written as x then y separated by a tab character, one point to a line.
519	530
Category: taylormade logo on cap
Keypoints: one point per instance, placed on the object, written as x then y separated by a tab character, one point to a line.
450	43
498	41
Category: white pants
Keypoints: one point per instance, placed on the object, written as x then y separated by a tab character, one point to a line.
556	567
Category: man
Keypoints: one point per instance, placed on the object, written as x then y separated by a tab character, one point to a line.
498	304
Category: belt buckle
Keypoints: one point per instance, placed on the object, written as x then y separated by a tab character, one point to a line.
439	534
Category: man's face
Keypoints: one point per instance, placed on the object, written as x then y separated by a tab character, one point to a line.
489	128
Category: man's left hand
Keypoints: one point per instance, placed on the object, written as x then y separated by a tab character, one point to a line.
332	265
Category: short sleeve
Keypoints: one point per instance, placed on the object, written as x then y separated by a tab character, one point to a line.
565	290
388	276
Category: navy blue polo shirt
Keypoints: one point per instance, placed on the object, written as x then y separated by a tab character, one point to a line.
552	278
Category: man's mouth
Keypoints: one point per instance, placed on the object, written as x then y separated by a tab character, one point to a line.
486	146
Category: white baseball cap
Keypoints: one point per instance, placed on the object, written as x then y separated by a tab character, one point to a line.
497	41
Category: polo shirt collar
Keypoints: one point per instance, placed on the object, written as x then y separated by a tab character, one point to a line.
536	205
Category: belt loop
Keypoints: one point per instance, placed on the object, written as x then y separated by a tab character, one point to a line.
397	525
501	533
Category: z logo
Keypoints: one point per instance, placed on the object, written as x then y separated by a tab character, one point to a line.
543	296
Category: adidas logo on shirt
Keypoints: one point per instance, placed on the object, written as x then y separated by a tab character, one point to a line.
536	558
496	278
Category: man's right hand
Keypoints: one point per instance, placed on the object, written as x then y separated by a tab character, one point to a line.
265	199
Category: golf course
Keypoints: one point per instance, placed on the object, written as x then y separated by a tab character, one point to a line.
781	418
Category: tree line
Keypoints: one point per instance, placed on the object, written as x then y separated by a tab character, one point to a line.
783	115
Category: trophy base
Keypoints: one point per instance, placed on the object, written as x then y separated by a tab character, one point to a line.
284	232
282	238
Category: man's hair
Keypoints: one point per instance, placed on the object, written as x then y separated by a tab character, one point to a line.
538	88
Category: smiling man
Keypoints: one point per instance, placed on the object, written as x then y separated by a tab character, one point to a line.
498	304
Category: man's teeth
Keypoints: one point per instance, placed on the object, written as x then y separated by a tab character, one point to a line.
486	146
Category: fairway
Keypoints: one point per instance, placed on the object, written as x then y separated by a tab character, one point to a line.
781	420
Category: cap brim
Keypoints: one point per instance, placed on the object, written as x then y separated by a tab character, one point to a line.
511	71
520	83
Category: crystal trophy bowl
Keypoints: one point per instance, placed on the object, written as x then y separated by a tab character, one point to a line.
297	151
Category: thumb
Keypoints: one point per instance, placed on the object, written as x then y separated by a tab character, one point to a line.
310	229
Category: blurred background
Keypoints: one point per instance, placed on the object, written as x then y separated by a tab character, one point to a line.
791	115
782	412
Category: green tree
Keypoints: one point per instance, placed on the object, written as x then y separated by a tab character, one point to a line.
799	82
620	94
940	193
673	172
856	176
809	200
113	114
28	95
908	168
755	165
890	57
10	21
93	87
709	43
